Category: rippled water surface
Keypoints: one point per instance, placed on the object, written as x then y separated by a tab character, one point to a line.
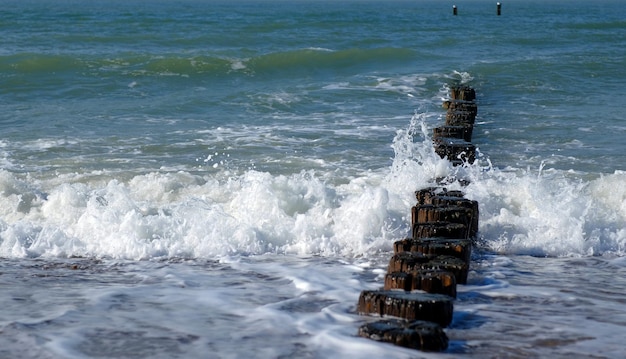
222	179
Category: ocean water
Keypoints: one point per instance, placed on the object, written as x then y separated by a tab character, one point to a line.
221	179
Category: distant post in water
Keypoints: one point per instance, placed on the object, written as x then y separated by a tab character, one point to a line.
499	7
454	10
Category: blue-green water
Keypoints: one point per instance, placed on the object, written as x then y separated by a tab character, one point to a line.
168	142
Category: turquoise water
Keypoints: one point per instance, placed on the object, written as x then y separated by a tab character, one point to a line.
103	76
157	145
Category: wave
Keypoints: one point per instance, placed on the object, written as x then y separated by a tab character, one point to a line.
34	63
130	63
199	65
315	59
182	214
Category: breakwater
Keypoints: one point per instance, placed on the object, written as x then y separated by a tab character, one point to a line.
417	299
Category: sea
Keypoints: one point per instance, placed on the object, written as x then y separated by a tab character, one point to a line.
222	178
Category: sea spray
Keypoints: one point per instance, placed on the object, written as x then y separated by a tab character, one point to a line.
543	212
550	214
133	163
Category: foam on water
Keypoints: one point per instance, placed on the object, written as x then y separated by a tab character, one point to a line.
180	214
538	307
222	181
540	211
182	308
551	213
241	304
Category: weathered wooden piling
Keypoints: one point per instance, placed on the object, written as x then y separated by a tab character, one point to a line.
443	200
460	118
424	195
415	261
452	105
457	247
426	213
417	334
429	280
425	269
452	142
463	132
455	150
436	308
439	229
462	93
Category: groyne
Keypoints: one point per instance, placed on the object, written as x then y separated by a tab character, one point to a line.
417	298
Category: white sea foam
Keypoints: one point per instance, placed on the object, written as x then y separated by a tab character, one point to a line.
463	76
180	214
550	213
262	199
410	85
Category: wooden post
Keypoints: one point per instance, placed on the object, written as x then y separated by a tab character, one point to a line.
499	7
454	12
436	308
462	132
419	334
424	270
